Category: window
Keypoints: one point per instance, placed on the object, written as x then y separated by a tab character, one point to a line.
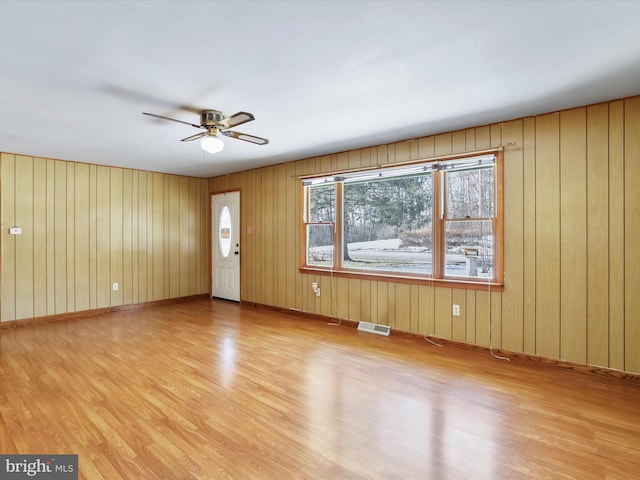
438	220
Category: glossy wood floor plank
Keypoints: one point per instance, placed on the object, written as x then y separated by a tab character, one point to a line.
211	389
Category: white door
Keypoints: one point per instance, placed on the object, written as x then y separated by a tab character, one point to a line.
225	224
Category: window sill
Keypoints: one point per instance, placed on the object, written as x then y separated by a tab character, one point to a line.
467	284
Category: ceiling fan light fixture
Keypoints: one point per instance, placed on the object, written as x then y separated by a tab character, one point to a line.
211	144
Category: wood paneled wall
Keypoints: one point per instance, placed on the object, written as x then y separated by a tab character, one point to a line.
85	227
572	231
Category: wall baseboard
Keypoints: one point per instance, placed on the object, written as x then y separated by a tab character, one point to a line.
628	377
99	311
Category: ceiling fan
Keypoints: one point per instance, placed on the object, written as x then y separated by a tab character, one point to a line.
214	122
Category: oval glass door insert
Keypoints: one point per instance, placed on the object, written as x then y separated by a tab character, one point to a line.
224	232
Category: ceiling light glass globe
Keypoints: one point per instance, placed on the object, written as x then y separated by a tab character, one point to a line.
211	144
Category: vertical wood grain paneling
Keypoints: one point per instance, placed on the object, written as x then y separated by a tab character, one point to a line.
354	300
495	133
250	248
204	249
403	151
548	235
354	159
483	317
381	304
328	303
193	238
443	312
135	236
103	235
166	236
81	238
142	278
373	301
391	304
50	202
458	142
470	139
425	310
93	234
259	237
151	240
597	235
127	237
116	230
24	258
341	161
443	144
269	228
426	147
292	237
60	236
616	235
186	237
173	245
325	165
70	226
158	236
632	233
367	157
459	322
84	227
403	307
483	137
573	235
280	222
470	316
529	234
414	309
8	176
365	300
339	298
495	319
512	327
40	238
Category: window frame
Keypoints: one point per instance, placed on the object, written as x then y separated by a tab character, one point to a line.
438	276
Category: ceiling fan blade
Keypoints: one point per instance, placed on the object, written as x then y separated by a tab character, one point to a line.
245	137
194	137
172	119
236	119
135	96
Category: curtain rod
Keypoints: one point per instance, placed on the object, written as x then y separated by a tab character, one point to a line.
452	156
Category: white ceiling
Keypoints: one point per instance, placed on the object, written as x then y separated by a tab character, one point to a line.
319	76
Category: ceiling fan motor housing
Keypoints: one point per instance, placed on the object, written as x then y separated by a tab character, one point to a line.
211	117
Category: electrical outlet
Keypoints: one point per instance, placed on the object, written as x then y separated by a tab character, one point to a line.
115	286
456	310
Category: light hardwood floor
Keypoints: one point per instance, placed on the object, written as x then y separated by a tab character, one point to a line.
211	389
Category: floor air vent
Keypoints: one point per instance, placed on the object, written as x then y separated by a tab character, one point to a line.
374	328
